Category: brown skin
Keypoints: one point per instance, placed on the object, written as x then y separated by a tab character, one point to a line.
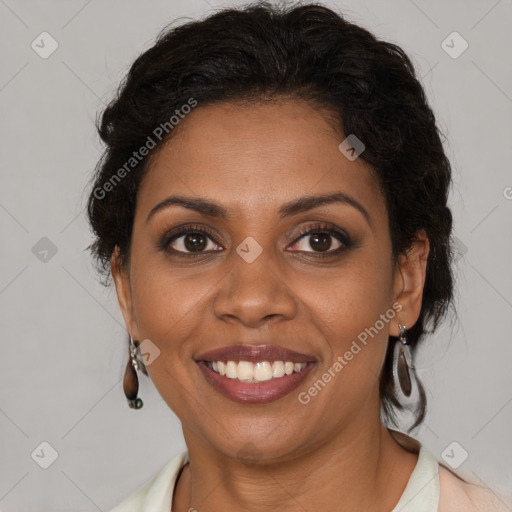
333	453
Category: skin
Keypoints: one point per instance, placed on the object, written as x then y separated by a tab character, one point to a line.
333	453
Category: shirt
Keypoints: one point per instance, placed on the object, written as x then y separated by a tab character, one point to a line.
431	488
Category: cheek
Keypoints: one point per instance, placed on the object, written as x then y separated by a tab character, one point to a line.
352	297
167	306
168	310
354	307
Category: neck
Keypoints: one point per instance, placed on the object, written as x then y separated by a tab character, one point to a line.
360	469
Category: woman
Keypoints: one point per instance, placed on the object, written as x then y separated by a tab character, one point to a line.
272	206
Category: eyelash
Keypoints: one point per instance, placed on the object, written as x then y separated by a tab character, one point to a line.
316	229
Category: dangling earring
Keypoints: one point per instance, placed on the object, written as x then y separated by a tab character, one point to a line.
131	380
402	368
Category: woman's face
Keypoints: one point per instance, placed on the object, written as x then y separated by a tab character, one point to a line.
271	268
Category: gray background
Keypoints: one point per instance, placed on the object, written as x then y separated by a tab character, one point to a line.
63	343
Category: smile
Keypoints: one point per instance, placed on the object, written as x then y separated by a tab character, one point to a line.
246	371
255	374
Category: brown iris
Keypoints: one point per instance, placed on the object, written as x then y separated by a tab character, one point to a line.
320	241
195	242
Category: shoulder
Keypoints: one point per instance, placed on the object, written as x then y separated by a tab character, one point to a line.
443	489
457	495
156	494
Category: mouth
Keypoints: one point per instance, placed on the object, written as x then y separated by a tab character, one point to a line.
255	374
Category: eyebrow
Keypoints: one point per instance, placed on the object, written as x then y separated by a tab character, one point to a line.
302	204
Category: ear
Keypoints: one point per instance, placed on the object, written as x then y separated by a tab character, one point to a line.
123	289
409	282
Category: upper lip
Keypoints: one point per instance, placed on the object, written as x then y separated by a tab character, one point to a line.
254	353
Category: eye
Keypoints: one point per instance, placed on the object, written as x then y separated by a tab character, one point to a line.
191	241
321	239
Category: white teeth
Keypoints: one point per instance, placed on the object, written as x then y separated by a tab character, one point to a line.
231	370
245	370
261	371
278	369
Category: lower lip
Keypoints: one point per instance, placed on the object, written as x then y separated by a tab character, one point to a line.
254	393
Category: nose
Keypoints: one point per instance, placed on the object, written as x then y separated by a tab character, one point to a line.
254	294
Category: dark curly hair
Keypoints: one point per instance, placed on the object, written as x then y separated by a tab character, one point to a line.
262	52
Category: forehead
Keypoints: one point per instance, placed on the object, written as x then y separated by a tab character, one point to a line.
246	157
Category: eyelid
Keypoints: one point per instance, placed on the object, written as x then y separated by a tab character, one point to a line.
323	227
